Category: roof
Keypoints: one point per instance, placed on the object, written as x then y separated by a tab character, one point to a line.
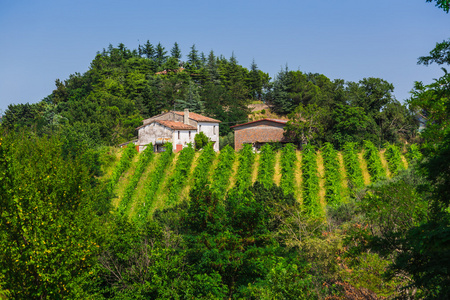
197	117
172	125
270	120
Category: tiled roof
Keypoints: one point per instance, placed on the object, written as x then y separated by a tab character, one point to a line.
270	120
172	125
197	117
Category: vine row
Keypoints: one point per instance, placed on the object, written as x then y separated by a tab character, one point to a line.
222	173
333	178
245	168
179	177
266	165
394	159
311	199
288	160
374	166
354	173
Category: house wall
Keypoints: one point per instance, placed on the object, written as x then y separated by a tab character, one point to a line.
149	133
262	132
211	130
184	138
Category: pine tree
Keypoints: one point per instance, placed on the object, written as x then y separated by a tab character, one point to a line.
175	51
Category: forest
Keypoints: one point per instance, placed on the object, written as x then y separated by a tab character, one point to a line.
356	206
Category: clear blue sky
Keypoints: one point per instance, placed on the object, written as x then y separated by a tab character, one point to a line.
43	40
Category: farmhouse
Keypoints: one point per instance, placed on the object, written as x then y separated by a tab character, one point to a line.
258	133
178	128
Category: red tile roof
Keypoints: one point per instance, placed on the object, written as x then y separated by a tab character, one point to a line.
172	125
197	117
270	120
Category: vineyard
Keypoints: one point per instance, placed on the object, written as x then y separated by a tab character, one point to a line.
141	183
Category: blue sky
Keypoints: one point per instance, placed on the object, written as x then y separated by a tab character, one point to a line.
41	41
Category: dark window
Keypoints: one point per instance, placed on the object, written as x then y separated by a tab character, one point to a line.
178	135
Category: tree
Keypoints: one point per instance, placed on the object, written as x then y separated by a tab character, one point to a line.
200	140
193	58
305	124
192	100
48	226
443	4
175	52
439	55
160	55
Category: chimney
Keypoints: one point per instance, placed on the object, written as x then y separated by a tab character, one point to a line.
186	116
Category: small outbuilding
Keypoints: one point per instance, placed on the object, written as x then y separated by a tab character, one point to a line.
258	133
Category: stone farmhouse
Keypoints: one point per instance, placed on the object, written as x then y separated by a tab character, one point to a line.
258	133
177	127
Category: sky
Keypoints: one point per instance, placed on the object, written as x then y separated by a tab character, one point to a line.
45	40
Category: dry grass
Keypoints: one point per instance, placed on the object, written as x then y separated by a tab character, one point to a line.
255	167
384	163
321	174
277	171
344	182
363	164
405	162
233	172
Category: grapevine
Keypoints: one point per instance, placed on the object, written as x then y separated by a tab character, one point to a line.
393	158
144	159
244	172
153	183
222	173
266	166
333	178
374	165
179	177
352	166
311	199
288	159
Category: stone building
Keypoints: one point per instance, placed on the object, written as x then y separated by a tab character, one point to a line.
258	133
177	127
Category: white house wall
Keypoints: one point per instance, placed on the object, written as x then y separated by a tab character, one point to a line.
150	133
211	130
184	137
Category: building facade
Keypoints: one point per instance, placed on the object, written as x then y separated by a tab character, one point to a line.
259	132
177	127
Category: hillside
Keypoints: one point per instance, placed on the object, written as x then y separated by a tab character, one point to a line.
316	177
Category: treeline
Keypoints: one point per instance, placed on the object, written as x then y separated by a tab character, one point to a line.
122	87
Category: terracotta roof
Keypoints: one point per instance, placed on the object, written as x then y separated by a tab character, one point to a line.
172	125
270	120
197	117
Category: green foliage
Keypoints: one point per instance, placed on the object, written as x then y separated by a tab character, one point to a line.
443	4
372	156
179	177
311	201
394	159
200	140
413	154
288	160
245	168
352	166
203	167
152	184
48	224
221	177
333	177
123	165
266	165
306	124
144	159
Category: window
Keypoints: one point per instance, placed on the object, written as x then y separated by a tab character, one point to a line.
189	134
178	135
214	130
199	128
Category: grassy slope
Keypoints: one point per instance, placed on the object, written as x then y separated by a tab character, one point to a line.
161	195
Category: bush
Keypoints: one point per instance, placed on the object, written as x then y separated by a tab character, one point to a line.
201	140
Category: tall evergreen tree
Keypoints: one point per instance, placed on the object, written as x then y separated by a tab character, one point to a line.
160	55
175	51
